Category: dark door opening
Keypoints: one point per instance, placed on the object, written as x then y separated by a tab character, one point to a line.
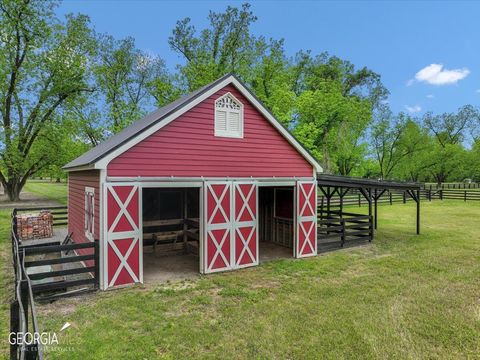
275	222
171	233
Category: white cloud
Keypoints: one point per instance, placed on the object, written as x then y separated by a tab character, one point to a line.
436	74
430	96
413	109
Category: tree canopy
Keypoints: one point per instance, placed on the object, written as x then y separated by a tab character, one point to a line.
66	88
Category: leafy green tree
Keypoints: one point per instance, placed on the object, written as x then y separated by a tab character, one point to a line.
449	162
450	131
124	80
335	102
329	125
361	83
416	164
124	76
390	144
225	46
474	162
302	92
45	66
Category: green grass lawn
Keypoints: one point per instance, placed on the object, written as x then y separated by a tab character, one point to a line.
405	296
50	190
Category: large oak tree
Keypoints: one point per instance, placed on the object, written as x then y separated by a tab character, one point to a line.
44	66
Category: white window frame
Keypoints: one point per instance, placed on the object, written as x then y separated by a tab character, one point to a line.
89	191
228	133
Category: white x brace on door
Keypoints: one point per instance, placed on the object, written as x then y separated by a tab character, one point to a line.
218	226
306	226
245	225
231	239
123	235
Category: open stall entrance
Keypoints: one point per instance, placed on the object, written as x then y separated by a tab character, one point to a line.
276	222
171	233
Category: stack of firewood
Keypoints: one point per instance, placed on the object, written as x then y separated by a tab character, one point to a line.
35	226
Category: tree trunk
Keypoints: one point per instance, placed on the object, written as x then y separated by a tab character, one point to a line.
58	180
13	190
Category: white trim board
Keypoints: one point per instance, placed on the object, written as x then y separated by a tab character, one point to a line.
103	162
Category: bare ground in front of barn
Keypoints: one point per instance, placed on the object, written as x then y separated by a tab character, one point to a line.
405	296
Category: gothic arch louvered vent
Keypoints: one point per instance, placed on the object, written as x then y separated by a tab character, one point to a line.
228	117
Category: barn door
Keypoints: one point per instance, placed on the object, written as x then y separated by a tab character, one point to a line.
123	250
306	224
245	237
218	229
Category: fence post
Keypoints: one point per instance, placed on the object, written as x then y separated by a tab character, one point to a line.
370	220
404	197
97	262
390	193
342	223
430	195
14	222
359	201
24	299
465	196
14	326
441	194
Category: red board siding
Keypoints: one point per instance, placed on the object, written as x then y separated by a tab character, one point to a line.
187	147
77	181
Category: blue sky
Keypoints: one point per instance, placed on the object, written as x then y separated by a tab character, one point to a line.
428	53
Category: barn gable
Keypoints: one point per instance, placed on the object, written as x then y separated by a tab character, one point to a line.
193	107
190	146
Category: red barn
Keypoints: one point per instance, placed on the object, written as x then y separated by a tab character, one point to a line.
212	175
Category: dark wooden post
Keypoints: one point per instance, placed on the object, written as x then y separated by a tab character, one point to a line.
465	196
185	217
342	224
375	198
370	202
96	250
391	201
404	197
441	194
328	200
341	201
418	212
14	222
370	214
359	201
24	300
14	326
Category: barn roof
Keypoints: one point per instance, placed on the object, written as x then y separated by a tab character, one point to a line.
92	158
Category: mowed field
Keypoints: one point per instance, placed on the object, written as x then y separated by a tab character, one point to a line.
404	297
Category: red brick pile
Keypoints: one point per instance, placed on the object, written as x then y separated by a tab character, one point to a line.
35	226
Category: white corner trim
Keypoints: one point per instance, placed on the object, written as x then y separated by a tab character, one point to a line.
102	163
